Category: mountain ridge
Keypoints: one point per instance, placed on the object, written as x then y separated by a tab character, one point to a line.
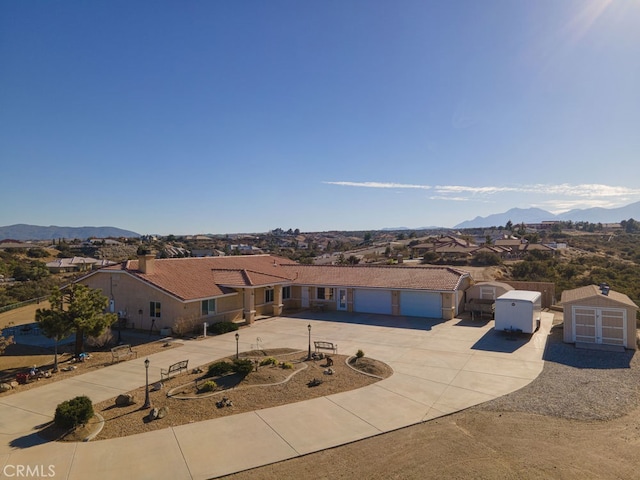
22	231
537	215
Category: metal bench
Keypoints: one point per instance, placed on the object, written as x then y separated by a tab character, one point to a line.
175	368
326	346
122	351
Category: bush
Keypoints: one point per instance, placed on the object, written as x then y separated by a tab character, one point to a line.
74	412
208	386
219	368
243	366
223	327
287	366
268	361
359	355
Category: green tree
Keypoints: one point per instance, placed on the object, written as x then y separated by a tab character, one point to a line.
56	325
83	309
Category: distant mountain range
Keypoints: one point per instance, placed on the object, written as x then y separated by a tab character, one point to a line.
537	215
35	232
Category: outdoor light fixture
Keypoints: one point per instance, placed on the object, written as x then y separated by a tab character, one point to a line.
309	355
237	338
147	402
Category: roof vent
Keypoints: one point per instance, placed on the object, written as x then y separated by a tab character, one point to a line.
604	288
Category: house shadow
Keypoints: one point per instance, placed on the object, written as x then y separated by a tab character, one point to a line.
567	354
370	319
503	342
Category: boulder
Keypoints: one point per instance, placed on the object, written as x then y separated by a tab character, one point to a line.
5	387
153	414
156	387
14	384
125	400
162	412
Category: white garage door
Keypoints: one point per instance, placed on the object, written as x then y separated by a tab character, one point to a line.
372	301
600	325
421	304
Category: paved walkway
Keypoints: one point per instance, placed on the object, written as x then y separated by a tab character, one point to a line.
439	368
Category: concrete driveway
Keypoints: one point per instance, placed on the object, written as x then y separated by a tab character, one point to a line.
439	368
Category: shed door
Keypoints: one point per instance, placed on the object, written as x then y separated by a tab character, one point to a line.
584	321
600	325
613	326
421	304
372	301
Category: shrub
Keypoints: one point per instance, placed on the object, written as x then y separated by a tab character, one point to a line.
208	386
287	365
359	355
74	412
268	361
219	368
223	327
243	366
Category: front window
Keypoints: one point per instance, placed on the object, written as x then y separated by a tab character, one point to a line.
268	295
154	309
209	306
325	293
286	293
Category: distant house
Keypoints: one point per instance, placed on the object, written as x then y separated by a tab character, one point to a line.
77	264
599	316
169	293
447	246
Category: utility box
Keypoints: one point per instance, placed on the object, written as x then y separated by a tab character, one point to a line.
518	311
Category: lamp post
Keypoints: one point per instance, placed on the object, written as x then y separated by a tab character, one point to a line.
147	402
237	338
309	355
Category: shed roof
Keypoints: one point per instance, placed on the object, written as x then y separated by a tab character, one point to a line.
590	291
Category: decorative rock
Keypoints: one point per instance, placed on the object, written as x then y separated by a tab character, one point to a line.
153	414
162	412
156	387
5	387
125	400
14	384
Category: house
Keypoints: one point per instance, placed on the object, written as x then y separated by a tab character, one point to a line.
76	264
598	315
183	293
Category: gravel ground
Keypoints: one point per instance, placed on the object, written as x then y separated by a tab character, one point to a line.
577	384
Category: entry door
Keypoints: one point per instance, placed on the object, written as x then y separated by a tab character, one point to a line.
342	299
305	297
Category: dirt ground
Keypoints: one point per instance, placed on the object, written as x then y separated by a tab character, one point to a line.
270	386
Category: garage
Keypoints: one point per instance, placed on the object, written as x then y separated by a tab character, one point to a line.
421	304
599	316
372	301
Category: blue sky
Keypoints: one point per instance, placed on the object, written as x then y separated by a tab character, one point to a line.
243	116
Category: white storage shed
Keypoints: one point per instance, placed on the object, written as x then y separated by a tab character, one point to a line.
518	310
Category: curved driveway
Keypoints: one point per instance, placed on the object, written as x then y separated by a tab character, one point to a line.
439	368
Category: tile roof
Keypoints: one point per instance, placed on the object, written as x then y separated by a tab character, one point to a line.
414	278
578	294
206	277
